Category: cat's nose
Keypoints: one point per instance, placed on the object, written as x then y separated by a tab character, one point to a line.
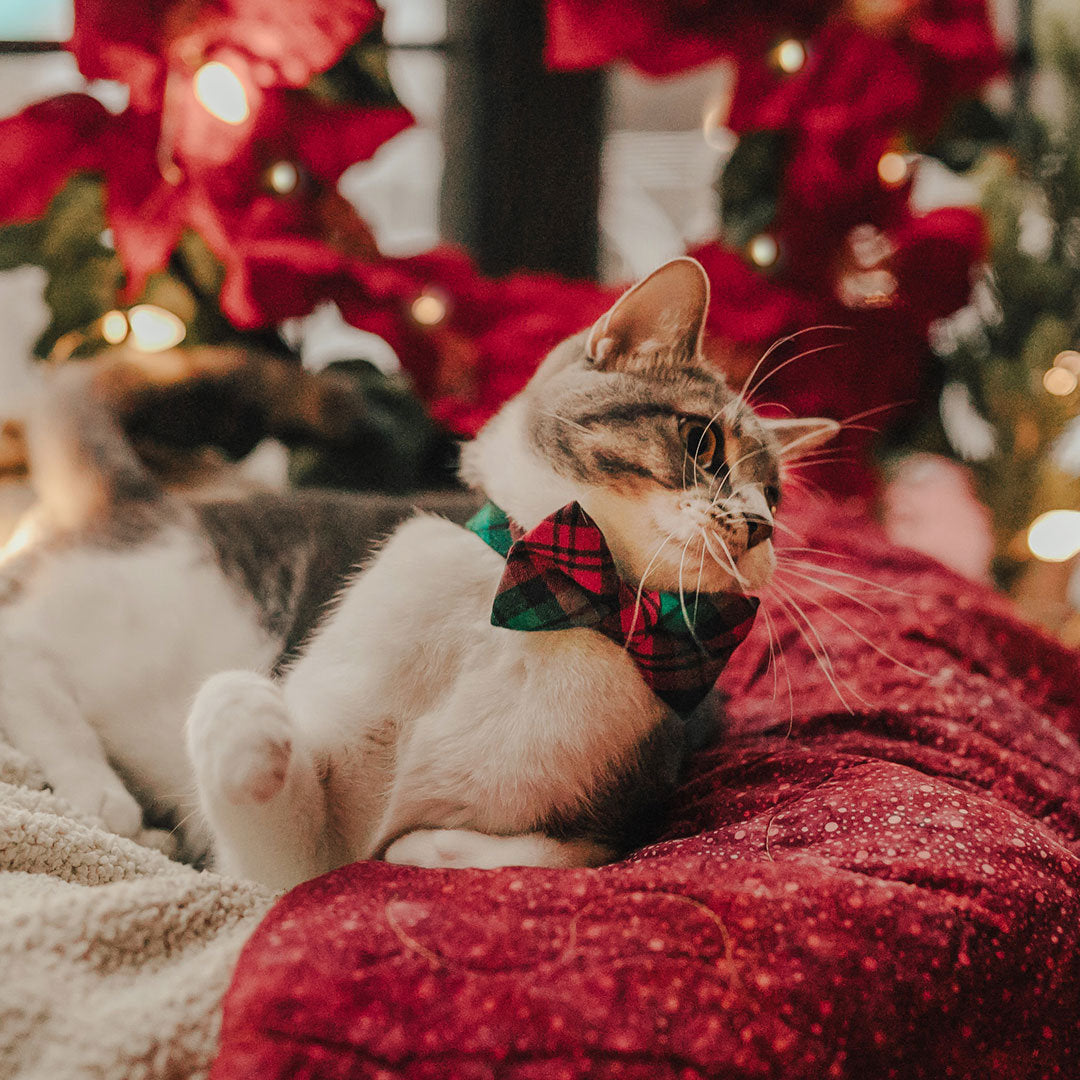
758	530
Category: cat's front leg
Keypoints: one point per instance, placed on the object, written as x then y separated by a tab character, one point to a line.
257	782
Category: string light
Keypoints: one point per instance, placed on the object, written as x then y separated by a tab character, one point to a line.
220	92
114	327
892	168
1059	381
1055	536
790	56
763	250
1069	360
428	309
154	329
283	177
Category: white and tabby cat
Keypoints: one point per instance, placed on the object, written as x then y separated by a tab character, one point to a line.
396	721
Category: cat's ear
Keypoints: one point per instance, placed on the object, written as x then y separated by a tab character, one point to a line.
797	435
658	321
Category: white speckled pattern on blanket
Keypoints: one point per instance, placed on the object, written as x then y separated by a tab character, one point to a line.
113	959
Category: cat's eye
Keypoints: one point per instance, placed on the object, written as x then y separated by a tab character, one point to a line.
772	497
701	441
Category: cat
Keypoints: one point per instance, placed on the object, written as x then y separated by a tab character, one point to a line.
342	714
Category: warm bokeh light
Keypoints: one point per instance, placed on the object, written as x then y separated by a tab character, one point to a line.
23	536
284	177
428	309
892	168
1059	381
1055	536
220	92
114	327
154	329
763	250
1069	360
790	56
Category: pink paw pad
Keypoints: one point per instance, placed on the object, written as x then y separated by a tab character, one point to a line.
262	775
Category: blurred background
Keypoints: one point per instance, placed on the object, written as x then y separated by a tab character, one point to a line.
354	230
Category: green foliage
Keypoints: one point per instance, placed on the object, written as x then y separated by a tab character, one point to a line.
1028	312
749	185
360	77
969	131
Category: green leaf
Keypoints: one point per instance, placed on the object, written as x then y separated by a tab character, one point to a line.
971	129
749	186
20	245
360	77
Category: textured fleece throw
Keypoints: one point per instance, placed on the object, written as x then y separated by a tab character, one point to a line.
113	959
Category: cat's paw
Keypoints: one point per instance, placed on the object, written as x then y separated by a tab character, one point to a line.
435	848
160	840
461	848
240	738
103	797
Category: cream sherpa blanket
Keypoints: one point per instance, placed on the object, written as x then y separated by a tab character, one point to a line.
113	958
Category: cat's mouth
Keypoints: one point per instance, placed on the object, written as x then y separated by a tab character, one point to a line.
693	545
728	548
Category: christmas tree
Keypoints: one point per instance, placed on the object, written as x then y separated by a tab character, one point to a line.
1011	405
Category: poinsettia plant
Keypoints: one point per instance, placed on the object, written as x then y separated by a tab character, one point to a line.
218	140
831	102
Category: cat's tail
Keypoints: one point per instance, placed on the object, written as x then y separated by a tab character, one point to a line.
81	462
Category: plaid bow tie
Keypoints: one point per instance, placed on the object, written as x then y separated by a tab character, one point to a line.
561	575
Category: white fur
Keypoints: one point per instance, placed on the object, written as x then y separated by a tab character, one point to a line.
413	711
99	653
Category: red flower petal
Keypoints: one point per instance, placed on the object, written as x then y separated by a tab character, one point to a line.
122	40
42	146
133	42
934	261
331	138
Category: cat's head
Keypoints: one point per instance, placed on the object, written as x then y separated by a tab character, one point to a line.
629	420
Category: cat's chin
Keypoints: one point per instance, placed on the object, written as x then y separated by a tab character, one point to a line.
757	567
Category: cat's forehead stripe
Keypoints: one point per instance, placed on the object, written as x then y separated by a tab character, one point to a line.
628	411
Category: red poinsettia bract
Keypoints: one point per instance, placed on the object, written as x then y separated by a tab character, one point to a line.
231	204
140	44
662	37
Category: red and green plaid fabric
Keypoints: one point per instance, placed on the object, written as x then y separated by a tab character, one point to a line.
562	575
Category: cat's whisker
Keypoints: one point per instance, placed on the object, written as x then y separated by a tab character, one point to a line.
784	527
748	398
801	483
860	427
772	655
823	658
787	671
809	457
818	568
739	578
697	588
813	551
641	587
832	588
747	386
682	599
877	409
862	637
570	423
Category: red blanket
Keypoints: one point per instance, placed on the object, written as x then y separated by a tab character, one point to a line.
889	891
